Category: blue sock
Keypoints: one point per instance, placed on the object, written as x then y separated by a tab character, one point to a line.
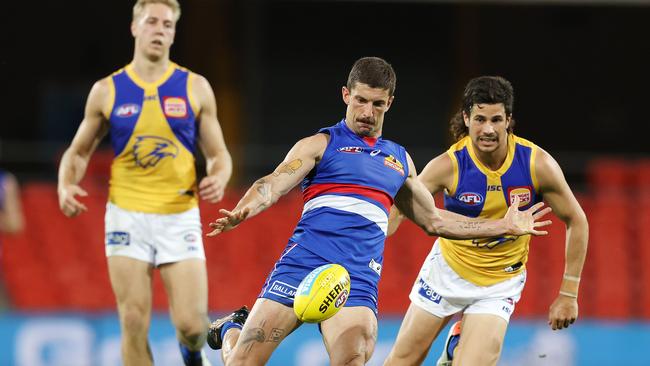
227	326
190	358
453	343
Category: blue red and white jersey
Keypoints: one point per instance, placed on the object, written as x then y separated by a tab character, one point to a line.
348	196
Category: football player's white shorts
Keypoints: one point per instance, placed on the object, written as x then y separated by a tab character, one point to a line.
153	238
440	291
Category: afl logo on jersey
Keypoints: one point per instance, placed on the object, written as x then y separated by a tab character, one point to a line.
524	193
351	149
175	107
127	110
470	198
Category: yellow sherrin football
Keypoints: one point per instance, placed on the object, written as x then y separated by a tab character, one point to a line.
322	293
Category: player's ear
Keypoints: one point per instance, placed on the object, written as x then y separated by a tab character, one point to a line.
133	26
466	119
345	92
390	102
508	120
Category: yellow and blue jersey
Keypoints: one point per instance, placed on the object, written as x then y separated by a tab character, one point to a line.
153	131
480	192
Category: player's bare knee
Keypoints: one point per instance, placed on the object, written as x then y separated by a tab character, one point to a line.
191	326
133	320
354	354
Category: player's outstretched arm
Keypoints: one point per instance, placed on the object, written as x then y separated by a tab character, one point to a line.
217	158
11	213
74	161
300	160
564	310
416	203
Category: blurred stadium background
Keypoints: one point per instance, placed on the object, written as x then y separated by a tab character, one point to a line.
580	72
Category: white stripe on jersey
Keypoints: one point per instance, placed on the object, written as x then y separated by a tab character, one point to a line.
353	205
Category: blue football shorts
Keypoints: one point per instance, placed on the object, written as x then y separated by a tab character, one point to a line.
296	262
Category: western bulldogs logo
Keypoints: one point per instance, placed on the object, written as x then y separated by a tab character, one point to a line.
149	150
470	198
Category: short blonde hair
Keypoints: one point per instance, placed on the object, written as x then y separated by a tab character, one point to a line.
173	4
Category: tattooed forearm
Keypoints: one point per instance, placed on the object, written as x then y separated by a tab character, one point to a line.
263	188
288	168
470	225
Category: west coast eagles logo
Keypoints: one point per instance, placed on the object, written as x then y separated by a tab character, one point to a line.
394	164
149	150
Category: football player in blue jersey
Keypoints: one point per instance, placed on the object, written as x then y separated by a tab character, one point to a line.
486	170
157	115
350	178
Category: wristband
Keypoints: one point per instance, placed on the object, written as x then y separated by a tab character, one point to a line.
569	294
571	278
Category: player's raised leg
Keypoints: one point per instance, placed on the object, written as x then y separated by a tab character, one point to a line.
268	323
481	340
187	290
350	336
131	281
418	330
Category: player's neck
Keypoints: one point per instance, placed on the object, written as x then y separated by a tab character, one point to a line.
493	160
150	71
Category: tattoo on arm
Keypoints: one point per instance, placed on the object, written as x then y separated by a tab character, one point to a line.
288	168
469	225
252	336
264	189
276	335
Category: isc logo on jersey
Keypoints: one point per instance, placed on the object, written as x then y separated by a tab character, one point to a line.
127	110
322	293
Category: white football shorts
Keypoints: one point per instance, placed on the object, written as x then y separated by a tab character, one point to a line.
153	238
440	291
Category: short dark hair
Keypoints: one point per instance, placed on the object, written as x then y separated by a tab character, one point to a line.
483	90
374	72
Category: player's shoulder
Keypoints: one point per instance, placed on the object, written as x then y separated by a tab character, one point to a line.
440	166
524	142
102	89
459	145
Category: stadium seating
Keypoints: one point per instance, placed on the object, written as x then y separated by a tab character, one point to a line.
59	263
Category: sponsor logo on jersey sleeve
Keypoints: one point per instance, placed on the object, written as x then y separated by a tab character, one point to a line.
391	162
175	107
127	110
470	198
525	195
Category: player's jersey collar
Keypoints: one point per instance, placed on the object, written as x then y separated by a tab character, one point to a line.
370	141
